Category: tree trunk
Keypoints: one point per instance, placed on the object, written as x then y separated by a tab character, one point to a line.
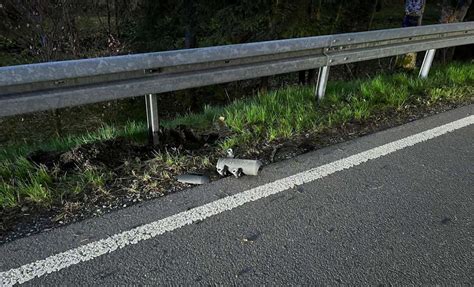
453	12
302	77
414	10
308	76
109	17
372	15
311	9
117	19
312	77
190	35
190	42
320	6
338	17
263	86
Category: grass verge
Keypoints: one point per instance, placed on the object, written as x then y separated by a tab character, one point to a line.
267	118
284	113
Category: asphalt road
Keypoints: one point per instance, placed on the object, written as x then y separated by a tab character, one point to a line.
401	218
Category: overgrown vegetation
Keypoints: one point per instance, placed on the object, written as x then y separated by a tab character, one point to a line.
276	116
46	30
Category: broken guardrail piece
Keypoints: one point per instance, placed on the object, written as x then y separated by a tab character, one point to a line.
192	178
237	167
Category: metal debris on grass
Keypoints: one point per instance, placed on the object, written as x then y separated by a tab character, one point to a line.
192	178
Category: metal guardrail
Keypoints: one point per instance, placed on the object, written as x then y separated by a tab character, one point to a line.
45	86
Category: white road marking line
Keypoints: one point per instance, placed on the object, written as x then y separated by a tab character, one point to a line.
93	250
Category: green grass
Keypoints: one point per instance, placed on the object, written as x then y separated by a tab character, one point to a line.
133	130
276	115
24	183
290	111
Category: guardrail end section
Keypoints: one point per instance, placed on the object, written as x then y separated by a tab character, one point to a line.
153	121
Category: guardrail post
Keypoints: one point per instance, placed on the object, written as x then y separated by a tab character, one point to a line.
322	82
151	101
427	61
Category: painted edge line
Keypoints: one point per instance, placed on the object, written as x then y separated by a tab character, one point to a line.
133	236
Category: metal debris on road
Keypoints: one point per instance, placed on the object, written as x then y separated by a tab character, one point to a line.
238	167
192	178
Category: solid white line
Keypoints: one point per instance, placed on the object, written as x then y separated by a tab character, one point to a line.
95	249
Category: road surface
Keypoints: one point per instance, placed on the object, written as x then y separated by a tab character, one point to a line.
395	207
